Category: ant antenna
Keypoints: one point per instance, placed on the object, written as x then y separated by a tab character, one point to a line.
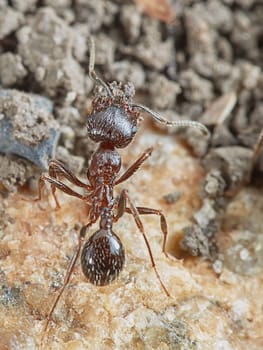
177	123
92	74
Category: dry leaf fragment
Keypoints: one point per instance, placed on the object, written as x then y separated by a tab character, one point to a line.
159	9
220	109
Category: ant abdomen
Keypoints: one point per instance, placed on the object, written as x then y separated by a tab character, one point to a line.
102	257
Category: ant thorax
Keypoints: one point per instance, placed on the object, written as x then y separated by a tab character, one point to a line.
104	166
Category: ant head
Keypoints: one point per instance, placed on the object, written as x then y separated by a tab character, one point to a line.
113	119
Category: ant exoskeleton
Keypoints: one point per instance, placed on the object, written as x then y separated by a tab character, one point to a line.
113	124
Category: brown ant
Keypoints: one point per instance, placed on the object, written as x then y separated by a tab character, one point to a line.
113	124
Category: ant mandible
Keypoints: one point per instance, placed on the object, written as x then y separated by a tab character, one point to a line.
113	124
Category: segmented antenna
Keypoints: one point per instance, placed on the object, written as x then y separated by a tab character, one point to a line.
92	74
176	123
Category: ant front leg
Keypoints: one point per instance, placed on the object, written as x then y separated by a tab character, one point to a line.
56	169
54	185
135	166
122	207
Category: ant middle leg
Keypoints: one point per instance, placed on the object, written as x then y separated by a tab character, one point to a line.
121	208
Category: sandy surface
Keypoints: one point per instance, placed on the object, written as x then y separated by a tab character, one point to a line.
205	311
205	65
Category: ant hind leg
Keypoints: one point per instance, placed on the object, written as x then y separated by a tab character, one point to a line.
121	208
163	222
69	272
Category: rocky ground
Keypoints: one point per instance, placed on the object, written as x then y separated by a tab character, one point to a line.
199	60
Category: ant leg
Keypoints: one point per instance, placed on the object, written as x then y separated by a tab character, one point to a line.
124	198
163	222
135	166
41	183
70	269
121	208
57	168
56	184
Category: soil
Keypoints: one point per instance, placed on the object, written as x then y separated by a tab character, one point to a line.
205	65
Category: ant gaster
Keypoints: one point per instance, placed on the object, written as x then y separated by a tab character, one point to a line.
112	124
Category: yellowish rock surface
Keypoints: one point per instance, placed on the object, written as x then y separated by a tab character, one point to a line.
205	311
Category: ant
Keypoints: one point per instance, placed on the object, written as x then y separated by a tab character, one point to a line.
113	123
